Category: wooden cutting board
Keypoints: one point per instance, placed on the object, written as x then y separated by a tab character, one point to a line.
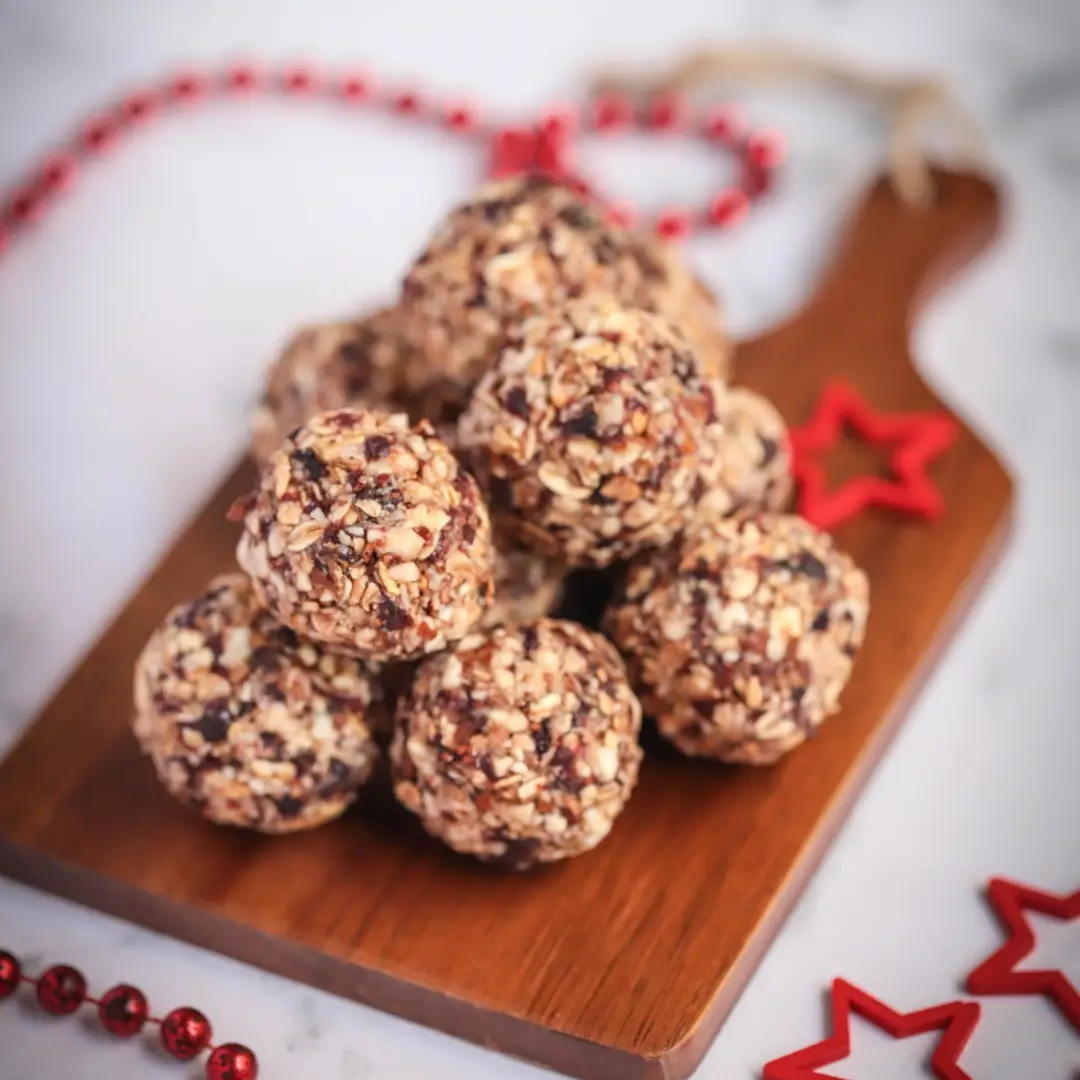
623	963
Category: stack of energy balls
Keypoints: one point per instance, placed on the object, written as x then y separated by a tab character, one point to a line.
549	395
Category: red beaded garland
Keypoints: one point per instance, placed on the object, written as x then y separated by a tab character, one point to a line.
547	146
231	1061
123	1010
61	990
10	974
185	1033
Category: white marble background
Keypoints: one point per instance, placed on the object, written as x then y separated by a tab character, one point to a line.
135	320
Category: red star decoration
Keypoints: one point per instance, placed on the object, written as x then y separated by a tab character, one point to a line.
995	975
955	1019
916	439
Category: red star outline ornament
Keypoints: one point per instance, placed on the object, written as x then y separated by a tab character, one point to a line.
955	1019
916	440
997	974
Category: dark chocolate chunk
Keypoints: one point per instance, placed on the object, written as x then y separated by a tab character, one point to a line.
529	639
309	461
376	446
265	658
582	424
579	217
392	616
769	449
273	742
304	762
520	854
542	738
517	403
288	807
214	723
821	620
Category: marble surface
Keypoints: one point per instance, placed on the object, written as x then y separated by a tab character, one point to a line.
135	320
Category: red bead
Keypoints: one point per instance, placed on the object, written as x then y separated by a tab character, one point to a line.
242	78
673	224
406	102
462	117
186	86
299	79
728	208
756	182
765	149
99	134
356	87
667	112
138	108
61	990
559	122
622	214
27	204
611	112
58	172
123	1011
185	1033
10	971
725	124
231	1061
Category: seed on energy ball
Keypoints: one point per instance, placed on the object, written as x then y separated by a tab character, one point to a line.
518	247
527	587
519	746
586	433
741	636
247	723
364	534
746	463
340	364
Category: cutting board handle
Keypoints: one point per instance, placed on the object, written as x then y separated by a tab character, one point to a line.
891	258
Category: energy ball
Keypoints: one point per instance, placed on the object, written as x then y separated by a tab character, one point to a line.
247	723
519	247
527	586
365	363
747	465
329	366
519	746
366	536
741	636
586	434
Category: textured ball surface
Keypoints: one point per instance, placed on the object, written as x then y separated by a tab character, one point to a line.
586	435
746	459
519	247
521	745
329	366
741	636
248	723
364	534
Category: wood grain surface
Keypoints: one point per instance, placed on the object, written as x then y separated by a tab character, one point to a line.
622	963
